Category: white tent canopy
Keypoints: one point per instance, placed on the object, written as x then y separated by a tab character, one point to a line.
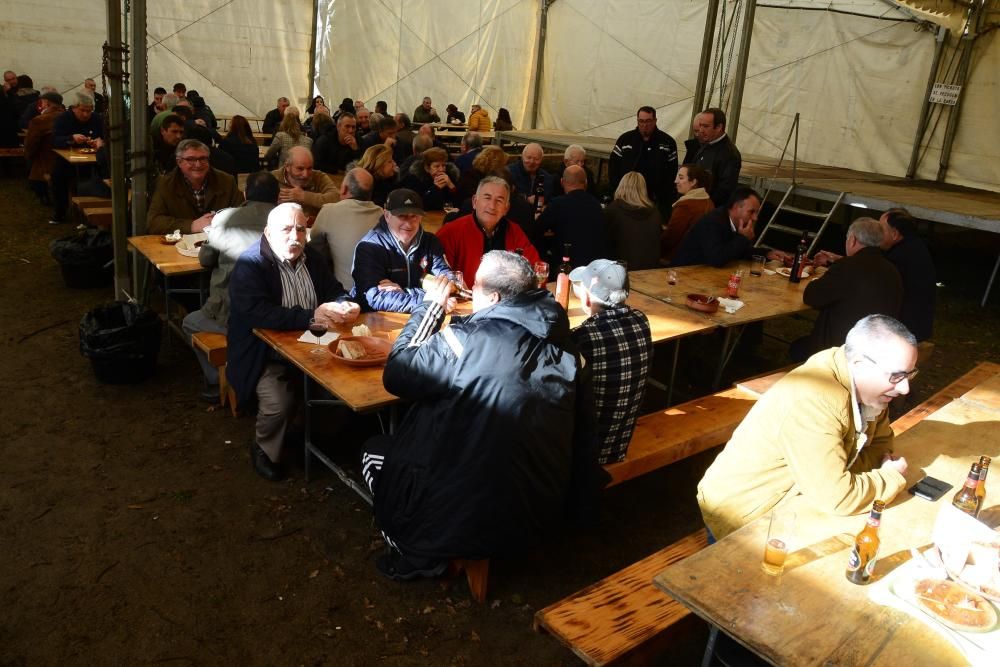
855	70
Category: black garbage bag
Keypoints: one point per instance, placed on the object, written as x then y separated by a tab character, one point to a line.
85	258
122	341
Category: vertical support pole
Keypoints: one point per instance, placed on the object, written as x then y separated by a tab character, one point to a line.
736	102
707	41
313	43
536	79
116	126
925	109
140	135
968	43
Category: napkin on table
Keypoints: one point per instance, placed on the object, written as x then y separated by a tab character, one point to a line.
327	338
730	305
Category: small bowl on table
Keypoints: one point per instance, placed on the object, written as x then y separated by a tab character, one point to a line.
703	303
376	350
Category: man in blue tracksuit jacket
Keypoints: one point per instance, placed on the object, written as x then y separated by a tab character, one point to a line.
391	260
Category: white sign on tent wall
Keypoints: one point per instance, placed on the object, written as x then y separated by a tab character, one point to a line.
944	93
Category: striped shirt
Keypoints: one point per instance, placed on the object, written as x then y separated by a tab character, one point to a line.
297	287
617	345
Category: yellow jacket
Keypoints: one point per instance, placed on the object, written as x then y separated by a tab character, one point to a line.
799	439
480	121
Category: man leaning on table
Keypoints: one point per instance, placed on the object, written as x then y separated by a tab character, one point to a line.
303	185
277	284
391	260
822	432
500	434
188	197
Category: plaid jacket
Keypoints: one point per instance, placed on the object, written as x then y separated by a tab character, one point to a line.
618	346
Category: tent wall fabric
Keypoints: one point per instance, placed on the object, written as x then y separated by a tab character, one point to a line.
240	55
400	51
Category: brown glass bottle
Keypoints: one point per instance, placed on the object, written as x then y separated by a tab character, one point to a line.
984	467
966	499
865	551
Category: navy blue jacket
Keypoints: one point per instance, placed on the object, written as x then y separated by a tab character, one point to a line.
712	241
255	302
67	125
524	183
577	219
379	256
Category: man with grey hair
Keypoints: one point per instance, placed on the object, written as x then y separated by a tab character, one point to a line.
303	185
484	461
273	117
188	197
575	155
278	283
170	100
426	113
528	172
339	227
616	342
79	127
820	437
472	145
863	283
337	148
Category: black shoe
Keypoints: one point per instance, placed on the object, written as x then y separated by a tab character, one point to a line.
210	394
264	466
394	565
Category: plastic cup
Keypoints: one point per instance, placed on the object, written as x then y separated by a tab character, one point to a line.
780	531
757	265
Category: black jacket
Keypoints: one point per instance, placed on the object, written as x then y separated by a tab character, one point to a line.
656	160
331	156
271	121
634	234
246	156
723	160
255	302
576	219
712	240
913	261
417	178
484	461
863	284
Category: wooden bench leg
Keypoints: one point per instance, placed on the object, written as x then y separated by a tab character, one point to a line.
226	392
476	574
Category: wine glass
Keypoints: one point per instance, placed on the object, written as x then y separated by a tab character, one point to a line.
318	329
671	282
541	273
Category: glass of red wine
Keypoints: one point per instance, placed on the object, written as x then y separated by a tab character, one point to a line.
318	329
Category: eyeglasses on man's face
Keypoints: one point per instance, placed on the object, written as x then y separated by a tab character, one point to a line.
895	377
195	160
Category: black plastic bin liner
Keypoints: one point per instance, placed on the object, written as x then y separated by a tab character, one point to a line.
122	341
85	258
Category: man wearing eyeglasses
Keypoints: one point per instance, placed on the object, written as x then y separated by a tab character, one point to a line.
820	436
649	151
188	197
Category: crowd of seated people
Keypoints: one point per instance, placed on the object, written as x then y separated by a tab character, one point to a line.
543	404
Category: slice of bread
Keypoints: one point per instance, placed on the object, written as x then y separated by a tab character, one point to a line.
361	330
351	349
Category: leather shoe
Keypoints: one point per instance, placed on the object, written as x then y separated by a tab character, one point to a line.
264	466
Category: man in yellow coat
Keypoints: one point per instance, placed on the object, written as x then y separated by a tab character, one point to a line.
821	432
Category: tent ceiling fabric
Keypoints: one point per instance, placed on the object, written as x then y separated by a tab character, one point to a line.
239	54
855	74
454	52
854	69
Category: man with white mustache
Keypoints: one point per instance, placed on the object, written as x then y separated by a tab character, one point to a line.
277	284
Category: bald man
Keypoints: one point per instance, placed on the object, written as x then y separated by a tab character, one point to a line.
340	226
576	219
301	184
277	284
528	171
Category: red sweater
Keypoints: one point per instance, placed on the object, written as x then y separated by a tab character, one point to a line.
464	242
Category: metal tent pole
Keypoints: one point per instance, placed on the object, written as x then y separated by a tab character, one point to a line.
140	137
707	41
536	79
968	43
925	110
736	102
114	70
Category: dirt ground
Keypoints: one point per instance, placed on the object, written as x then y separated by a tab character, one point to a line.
133	530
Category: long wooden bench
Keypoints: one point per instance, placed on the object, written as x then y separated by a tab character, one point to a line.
12	152
664	437
624	615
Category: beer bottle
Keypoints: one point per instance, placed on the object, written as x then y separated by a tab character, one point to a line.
562	279
539	192
984	467
865	552
966	498
795	274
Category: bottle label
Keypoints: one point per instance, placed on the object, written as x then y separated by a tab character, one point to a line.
855	560
870	565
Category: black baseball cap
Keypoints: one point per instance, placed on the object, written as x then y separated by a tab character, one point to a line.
404	202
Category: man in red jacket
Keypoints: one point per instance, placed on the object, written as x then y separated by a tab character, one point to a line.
467	239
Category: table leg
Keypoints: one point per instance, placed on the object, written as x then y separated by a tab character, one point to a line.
989	285
713	636
673	371
166	305
312	450
728	347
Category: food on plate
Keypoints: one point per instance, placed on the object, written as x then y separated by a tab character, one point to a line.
361	330
351	349
173	237
954	606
